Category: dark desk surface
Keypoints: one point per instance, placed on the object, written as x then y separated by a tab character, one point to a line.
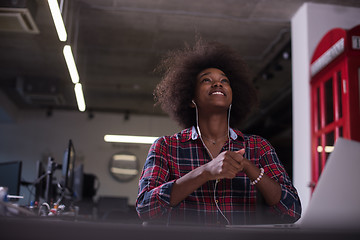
53	229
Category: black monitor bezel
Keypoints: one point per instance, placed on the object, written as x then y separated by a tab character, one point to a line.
19	170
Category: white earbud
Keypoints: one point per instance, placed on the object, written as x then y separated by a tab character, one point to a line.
194	103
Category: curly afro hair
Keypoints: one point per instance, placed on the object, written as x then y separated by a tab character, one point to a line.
176	89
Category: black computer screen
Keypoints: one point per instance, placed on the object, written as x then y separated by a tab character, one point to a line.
10	176
40	183
68	167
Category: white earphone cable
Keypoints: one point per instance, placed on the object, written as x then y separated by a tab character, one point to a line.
217	180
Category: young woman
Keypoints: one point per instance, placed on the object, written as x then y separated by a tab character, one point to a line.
212	173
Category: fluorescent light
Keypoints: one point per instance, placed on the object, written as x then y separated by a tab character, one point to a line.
129	139
124	157
58	21
69	58
124	171
80	97
328	149
14	197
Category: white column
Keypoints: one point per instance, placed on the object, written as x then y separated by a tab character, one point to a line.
301	103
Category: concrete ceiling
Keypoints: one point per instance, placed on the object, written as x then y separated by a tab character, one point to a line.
118	43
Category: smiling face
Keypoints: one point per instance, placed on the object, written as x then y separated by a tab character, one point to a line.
213	89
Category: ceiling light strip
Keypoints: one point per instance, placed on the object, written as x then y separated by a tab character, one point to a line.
129	139
80	97
59	23
70	62
69	57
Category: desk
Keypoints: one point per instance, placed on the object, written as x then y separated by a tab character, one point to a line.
57	229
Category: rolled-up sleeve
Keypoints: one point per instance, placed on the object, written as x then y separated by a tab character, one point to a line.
153	200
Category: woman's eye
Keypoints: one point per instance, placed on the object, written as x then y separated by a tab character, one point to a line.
206	80
225	80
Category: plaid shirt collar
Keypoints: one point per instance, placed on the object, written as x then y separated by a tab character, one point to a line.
191	134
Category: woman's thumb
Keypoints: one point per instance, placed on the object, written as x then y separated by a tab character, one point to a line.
241	151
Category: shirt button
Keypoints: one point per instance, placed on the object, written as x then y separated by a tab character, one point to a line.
217	201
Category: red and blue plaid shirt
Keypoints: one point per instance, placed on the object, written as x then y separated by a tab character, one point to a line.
171	157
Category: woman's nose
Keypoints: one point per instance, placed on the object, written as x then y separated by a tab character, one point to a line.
217	83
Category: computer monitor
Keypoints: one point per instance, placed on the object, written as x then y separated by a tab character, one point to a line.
40	182
68	167
10	176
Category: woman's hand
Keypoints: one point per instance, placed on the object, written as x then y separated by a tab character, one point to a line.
226	165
